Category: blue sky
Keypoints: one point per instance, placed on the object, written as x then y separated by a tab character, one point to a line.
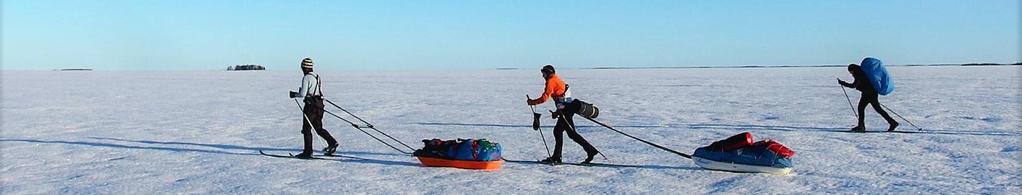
203	35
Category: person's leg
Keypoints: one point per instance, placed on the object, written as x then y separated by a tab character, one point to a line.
573	134
317	123
876	106
861	125
558	139
306	131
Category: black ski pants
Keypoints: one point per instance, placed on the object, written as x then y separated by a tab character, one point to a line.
314	111
874	100
565	123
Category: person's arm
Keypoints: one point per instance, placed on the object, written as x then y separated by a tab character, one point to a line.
861	82
304	89
546	95
846	84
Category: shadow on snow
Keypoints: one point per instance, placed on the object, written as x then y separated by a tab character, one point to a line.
658	167
235	147
742	128
163	146
837	129
526	126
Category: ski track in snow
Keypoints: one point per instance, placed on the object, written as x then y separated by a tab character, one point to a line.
137	132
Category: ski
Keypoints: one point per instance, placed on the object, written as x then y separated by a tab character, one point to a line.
314	157
907	132
289	155
546	163
572	164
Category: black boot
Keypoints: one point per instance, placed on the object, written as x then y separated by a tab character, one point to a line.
304	155
894	125
589	157
552	160
329	150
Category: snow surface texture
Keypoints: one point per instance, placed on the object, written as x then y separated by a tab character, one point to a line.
200	132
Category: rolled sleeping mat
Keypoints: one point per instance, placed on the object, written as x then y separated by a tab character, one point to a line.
585	109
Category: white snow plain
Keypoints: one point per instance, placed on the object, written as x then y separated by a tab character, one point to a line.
199	132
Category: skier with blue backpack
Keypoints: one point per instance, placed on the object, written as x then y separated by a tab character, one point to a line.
870	94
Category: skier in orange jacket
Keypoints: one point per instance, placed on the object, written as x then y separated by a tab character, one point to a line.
558	91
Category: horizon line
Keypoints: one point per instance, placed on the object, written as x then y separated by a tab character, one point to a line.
569	68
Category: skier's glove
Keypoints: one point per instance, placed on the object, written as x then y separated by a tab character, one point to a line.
293	94
553	114
535	120
843	83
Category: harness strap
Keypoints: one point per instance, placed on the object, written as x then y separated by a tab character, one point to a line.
319	86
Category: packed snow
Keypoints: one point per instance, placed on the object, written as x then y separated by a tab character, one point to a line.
199	132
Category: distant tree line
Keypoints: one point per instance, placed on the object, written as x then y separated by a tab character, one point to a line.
990	64
245	67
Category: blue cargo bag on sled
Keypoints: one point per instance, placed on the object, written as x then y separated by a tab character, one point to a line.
460	153
739	153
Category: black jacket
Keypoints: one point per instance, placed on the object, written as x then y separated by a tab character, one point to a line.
861	83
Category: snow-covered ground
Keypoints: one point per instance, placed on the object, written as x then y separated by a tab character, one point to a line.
127	132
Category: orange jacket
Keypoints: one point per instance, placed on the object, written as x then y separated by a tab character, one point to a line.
554	88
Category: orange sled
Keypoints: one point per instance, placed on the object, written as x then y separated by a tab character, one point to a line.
464	164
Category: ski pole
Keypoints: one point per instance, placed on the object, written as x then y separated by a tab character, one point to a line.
367	133
342	119
535	120
349	122
541	136
902	118
349	113
306	117
641	140
369	125
849	100
576	131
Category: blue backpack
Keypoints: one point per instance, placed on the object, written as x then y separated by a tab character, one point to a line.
878	76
